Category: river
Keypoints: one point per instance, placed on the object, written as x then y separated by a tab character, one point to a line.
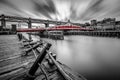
96	58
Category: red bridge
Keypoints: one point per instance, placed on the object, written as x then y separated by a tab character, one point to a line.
60	27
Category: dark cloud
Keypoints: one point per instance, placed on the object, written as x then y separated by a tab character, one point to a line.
4	1
76	10
96	5
45	9
72	13
10	5
115	10
93	8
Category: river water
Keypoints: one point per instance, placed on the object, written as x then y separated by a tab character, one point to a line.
96	58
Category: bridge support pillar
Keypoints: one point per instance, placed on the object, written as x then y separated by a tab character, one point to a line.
3	22
29	23
14	28
46	24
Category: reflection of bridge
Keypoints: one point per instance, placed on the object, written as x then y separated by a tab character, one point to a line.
29	21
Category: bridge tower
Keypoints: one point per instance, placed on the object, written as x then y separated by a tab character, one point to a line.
29	23
46	25
3	22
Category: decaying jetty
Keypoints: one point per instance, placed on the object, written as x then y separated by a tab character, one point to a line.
22	58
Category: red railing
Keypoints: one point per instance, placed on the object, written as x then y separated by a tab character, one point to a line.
53	28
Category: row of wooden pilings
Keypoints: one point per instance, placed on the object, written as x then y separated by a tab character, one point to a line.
95	33
40	58
33	47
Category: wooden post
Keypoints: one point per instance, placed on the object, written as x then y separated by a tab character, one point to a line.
65	76
29	23
35	66
14	28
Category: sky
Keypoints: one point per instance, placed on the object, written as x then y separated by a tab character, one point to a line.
62	10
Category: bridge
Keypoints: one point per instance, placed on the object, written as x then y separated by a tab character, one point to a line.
29	21
60	27
67	27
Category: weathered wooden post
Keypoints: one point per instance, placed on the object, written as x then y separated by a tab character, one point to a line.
19	36
14	28
62	72
35	66
30	37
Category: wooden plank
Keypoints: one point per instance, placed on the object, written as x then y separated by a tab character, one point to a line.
7	68
10	56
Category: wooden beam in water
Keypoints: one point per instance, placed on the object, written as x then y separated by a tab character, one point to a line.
34	47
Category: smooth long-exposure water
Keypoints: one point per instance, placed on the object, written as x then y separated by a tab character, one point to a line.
96	58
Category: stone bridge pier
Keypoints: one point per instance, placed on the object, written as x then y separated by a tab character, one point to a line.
3	22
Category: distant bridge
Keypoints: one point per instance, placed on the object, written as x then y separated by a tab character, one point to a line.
60	27
29	21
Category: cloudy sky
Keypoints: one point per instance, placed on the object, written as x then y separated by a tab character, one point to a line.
75	10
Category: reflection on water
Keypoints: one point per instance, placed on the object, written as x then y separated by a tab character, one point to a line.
96	58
